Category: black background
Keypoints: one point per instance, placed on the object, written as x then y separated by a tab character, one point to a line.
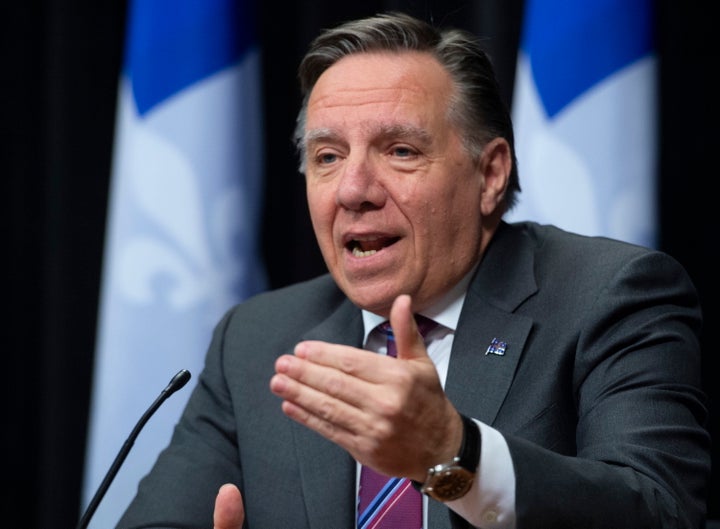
61	65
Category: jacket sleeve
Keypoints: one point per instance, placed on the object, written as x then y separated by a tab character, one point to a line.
642	456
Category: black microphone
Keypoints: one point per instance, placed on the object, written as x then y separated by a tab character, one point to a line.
175	384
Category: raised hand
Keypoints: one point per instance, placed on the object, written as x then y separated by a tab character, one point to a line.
389	413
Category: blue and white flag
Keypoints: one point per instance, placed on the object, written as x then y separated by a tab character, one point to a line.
183	230
585	115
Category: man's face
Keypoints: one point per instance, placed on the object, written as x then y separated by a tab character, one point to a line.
394	198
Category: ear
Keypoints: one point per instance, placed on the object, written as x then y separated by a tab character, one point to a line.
495	165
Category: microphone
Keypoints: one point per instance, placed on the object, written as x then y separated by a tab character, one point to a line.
175	384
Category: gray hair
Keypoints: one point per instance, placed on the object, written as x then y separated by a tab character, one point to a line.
477	109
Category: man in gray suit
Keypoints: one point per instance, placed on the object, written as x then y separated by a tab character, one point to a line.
559	388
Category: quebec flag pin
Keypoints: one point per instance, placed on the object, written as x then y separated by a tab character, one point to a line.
496	347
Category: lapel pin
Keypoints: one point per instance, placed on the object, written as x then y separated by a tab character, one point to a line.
496	347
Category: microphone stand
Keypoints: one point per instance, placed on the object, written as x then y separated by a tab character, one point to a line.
178	381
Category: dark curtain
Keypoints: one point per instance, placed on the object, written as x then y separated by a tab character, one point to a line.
60	71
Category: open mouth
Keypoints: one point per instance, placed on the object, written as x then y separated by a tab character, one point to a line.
367	247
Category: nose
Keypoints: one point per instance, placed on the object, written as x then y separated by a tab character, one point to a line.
359	187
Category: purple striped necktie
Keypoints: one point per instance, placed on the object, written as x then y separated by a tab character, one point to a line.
390	503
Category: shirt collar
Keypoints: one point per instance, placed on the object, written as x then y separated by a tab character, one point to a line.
446	311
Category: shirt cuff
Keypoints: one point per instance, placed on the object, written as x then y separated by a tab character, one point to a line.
490	502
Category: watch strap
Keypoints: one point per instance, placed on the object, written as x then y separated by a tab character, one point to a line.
470	448
469	455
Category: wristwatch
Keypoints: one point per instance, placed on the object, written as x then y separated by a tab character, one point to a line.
450	481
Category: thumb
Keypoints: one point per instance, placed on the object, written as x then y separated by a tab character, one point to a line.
410	345
229	510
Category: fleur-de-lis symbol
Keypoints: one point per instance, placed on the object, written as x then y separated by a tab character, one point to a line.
176	242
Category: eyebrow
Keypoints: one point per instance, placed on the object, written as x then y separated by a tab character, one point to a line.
404	131
320	135
401	131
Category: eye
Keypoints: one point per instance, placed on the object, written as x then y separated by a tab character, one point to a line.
326	158
402	151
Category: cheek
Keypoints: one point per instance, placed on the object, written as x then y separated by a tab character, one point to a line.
321	205
455	194
456	219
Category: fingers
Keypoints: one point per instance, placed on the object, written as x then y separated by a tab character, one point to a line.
337	371
346	374
229	510
318	392
313	395
410	344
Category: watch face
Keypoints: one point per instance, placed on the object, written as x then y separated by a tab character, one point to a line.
449	484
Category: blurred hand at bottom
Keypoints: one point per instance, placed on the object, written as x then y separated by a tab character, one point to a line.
229	510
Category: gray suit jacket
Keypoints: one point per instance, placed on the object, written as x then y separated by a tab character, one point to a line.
598	395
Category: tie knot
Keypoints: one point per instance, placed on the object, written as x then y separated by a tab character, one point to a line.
425	325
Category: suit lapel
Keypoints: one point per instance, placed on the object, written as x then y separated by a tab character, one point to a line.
477	383
327	471
478	380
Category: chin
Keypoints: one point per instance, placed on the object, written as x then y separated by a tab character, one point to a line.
379	303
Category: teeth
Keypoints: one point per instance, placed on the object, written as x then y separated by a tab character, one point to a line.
357	252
